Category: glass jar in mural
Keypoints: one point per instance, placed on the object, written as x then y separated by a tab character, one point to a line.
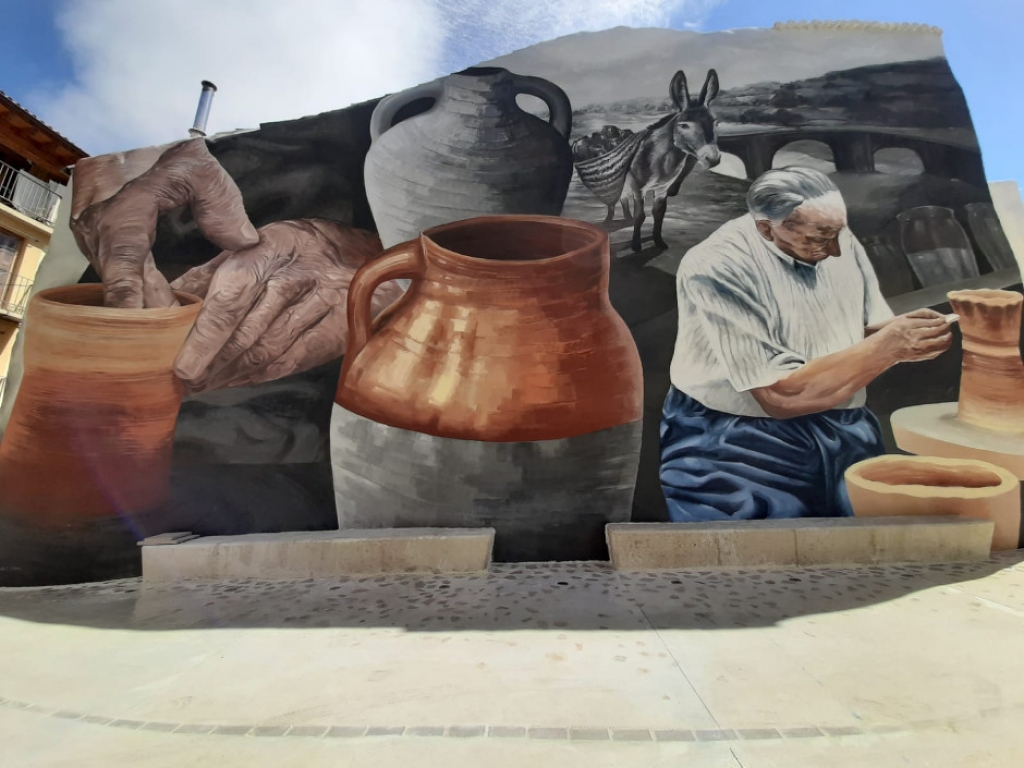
936	245
91	430
502	390
473	152
890	263
989	235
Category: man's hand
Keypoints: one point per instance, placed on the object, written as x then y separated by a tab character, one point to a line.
830	381
923	334
276	308
118	199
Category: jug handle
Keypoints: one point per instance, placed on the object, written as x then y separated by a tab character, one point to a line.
383	117
403	260
559	108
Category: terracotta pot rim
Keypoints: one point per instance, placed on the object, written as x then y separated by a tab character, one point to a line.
1007	480
599	238
48	298
987	296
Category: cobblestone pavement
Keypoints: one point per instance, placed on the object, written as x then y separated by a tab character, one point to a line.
560	664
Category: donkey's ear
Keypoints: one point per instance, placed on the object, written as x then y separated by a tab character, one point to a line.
679	92
710	91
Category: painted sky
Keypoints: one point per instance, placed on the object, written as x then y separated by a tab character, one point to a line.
113	74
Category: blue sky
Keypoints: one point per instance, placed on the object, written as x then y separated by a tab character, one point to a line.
95	69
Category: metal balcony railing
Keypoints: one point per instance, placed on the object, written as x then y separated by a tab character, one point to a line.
14	294
27	194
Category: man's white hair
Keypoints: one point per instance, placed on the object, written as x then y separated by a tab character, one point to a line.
777	193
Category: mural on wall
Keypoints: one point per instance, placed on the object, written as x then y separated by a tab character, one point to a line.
519	356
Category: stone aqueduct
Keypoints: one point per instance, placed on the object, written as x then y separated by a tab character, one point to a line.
854	148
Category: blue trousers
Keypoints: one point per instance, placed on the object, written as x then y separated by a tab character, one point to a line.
717	466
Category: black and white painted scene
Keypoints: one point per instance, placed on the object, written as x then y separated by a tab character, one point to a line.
670	129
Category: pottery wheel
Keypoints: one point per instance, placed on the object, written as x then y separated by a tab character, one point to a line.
934	430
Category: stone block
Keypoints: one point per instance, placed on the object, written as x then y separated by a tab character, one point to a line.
767	545
824	544
645	546
652	546
805	541
858	541
321	554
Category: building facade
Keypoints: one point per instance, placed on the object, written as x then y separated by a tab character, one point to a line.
34	161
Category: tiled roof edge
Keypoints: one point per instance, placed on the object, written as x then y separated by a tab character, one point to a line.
866	26
70	144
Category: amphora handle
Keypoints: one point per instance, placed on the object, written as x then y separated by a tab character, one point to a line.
403	260
559	108
383	117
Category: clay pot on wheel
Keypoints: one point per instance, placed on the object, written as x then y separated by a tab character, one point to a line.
90	433
992	382
501	390
927	485
473	152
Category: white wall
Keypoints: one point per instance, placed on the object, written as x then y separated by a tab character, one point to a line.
1010	207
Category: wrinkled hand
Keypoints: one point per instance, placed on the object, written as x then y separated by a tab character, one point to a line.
118	198
276	308
923	334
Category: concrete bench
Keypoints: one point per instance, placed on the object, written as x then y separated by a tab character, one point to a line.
804	541
321	554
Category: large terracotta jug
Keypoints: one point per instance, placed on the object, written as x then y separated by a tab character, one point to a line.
91	430
501	390
473	152
992	381
506	333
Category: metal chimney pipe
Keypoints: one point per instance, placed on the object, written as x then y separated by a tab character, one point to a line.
203	112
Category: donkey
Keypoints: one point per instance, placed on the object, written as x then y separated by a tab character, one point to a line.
669	151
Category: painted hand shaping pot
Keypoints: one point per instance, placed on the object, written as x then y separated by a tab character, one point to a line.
91	429
473	152
501	390
927	485
992	381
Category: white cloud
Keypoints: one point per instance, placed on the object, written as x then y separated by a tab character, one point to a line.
138	63
479	30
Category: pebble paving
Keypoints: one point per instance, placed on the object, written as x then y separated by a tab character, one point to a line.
552	596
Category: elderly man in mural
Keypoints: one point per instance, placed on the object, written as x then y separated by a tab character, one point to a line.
781	327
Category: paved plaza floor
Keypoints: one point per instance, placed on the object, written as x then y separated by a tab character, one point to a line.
567	664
